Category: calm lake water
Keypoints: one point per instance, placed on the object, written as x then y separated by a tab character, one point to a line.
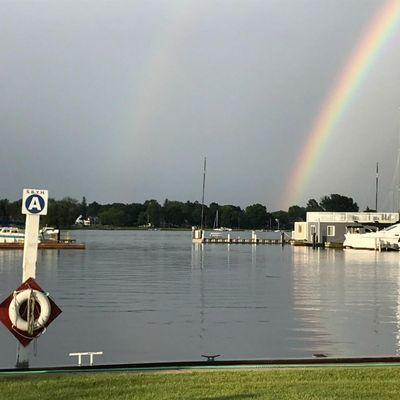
153	296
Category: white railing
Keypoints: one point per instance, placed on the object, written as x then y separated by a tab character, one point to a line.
353	217
86	353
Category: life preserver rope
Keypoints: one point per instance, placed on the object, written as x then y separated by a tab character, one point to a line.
30	296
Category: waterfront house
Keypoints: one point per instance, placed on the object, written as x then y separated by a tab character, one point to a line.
328	228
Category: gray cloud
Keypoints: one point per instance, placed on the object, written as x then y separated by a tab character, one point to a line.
120	101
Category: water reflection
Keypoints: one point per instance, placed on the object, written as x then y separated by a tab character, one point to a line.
398	310
361	257
10	259
345	295
253	255
197	255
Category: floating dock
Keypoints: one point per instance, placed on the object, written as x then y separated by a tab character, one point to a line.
244	241
198	236
45	246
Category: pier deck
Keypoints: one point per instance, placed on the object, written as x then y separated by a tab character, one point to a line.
245	241
45	246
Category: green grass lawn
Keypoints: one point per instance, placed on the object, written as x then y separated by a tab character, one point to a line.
314	383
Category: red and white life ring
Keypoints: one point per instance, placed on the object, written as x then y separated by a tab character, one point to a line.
23	296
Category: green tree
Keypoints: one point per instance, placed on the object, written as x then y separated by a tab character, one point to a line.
196	214
94	209
230	216
296	213
337	202
153	210
192	214
62	213
256	216
173	213
114	216
312	205
4	203
132	212
4	212
84	208
283	218
143	218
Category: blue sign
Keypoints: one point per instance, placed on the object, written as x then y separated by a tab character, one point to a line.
35	203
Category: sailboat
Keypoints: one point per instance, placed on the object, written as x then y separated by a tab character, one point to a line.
219	228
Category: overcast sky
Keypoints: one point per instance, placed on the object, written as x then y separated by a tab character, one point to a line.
120	101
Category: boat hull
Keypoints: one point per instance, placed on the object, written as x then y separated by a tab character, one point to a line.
361	241
12	239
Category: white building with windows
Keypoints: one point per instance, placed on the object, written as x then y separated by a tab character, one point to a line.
329	227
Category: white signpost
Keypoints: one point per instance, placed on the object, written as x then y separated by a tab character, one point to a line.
34	204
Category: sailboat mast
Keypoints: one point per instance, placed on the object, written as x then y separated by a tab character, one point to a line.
376	187
395	180
202	198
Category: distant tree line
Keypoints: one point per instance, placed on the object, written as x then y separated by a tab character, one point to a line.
173	214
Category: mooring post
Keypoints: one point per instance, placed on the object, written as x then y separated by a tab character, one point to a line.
34	204
314	244
282	238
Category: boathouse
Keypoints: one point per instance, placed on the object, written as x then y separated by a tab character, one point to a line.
328	228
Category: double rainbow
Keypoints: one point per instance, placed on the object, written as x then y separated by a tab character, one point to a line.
378	32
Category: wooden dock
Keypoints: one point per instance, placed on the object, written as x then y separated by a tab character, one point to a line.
244	241
50	245
199	237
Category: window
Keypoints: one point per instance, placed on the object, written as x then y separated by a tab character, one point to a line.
299	228
313	229
330	230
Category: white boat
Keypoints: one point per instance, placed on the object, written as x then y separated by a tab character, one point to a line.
359	238
83	222
48	233
10	234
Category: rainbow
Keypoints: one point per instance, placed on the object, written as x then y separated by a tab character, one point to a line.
378	32
156	76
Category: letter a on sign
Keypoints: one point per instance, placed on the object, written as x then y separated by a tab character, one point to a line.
34	201
35	205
